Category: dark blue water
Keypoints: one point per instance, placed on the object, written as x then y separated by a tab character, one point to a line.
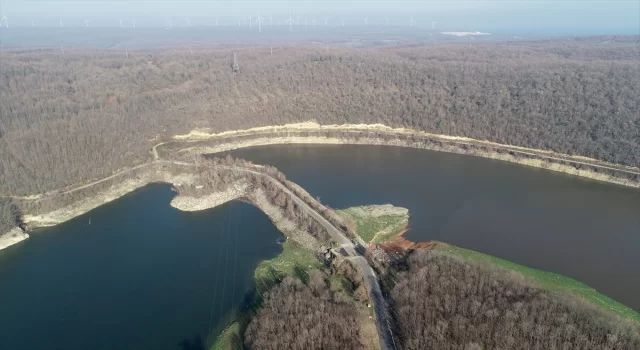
142	275
583	229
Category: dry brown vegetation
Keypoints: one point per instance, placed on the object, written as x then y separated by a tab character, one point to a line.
309	316
9	215
66	119
442	302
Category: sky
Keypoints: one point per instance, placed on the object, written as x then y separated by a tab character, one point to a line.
563	16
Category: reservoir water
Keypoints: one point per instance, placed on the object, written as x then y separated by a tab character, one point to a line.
580	228
139	274
132	274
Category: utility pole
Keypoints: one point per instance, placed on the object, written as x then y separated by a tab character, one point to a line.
235	67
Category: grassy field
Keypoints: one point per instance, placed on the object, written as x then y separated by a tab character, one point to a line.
293	261
546	280
376	226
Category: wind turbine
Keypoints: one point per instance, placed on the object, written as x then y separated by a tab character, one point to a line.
298	20
433	25
289	22
259	21
270	21
120	23
250	22
216	21
325	20
412	22
387	21
33	25
86	23
134	23
61	26
4	18
188	21
366	21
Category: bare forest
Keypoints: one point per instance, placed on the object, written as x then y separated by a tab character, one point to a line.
441	302
67	119
10	216
309	316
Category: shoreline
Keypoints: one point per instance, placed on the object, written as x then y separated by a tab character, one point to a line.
14	236
255	197
311	126
155	173
543	164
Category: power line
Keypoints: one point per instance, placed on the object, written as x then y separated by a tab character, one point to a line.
215	285
235	255
226	260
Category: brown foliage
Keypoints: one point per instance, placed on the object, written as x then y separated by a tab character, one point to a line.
10	216
445	303
69	119
308	317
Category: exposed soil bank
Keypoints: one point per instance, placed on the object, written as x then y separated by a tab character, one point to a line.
12	237
532	162
105	196
325	134
186	203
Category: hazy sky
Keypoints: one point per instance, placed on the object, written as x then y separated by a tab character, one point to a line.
590	16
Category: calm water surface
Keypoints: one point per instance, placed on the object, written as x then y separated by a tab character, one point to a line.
142	275
138	274
584	229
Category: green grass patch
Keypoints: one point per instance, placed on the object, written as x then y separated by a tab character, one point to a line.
293	261
229	339
546	280
367	226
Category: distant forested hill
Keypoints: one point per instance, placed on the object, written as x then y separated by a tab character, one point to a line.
68	118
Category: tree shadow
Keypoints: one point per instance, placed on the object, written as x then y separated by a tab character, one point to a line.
196	344
300	273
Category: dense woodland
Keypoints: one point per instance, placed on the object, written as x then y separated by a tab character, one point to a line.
295	315
66	119
441	302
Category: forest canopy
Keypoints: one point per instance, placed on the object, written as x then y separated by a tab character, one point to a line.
444	302
67	119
